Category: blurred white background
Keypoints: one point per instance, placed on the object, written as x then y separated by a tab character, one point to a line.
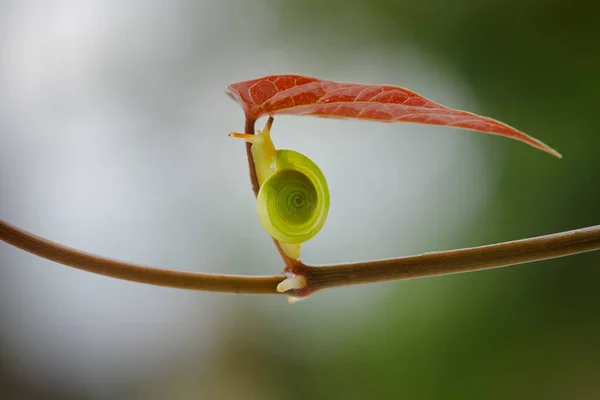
113	140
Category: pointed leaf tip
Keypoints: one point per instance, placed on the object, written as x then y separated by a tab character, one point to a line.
303	95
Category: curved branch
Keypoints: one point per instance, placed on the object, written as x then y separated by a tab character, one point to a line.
319	277
136	273
453	261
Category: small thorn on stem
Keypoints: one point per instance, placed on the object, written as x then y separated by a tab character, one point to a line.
292	282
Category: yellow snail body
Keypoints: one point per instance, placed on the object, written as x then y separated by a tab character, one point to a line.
293	199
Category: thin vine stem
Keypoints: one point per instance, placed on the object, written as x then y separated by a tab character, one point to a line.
454	261
133	272
317	277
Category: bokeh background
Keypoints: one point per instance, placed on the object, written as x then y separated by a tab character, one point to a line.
113	139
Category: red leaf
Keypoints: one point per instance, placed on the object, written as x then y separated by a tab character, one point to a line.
303	95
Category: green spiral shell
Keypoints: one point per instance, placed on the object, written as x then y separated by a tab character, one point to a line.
293	203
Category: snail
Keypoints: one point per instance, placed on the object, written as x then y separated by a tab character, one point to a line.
293	199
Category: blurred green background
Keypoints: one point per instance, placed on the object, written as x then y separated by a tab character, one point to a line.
113	139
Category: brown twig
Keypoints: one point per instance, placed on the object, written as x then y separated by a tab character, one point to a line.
136	273
454	261
317	277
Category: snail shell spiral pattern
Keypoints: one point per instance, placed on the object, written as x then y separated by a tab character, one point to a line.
293	203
